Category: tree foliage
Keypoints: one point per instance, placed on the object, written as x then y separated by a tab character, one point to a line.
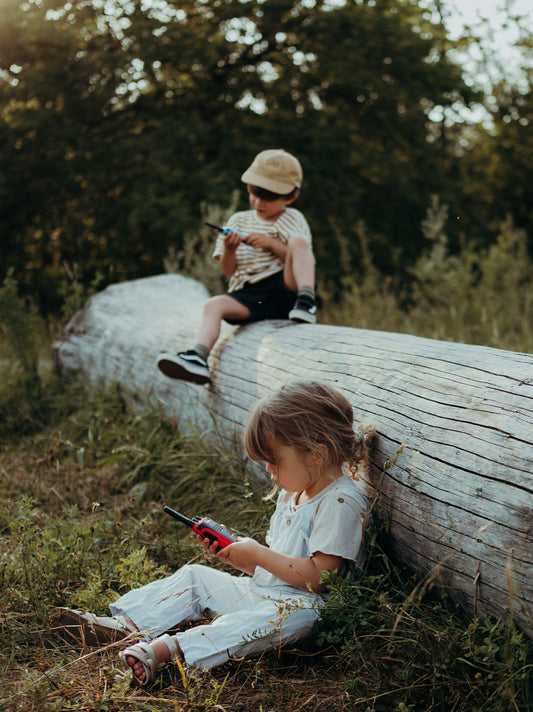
119	119
493	166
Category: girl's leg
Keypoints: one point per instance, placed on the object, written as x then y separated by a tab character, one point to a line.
249	626
191	593
215	310
188	595
265	625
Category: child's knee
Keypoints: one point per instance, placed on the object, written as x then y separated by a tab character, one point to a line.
214	306
189	577
299	245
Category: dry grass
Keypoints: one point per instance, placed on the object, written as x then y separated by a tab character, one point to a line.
40	670
81	521
58	677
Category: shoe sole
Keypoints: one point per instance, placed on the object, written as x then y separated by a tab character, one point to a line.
174	370
73	626
302	317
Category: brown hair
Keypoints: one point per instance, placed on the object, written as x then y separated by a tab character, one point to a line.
308	416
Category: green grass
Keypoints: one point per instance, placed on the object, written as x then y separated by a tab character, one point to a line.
81	522
474	296
83	481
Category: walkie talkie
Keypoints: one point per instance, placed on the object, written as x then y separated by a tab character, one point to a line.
204	526
224	230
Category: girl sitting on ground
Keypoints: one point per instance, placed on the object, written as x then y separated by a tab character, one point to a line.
304	432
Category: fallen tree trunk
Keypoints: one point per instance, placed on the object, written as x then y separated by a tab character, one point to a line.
456	420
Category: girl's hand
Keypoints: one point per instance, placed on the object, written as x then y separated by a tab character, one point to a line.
242	555
210	546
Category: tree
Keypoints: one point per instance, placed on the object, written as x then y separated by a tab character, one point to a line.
492	158
510	167
120	118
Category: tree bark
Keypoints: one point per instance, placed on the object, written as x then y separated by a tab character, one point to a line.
455	421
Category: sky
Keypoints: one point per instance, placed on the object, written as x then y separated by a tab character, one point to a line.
468	11
498	38
471	12
486	18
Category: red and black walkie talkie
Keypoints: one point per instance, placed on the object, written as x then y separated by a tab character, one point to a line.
206	527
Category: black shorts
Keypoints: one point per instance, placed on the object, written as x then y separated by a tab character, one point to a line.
268	299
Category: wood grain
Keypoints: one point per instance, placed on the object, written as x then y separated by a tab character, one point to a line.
457	420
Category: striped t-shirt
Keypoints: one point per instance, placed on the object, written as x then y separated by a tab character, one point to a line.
253	263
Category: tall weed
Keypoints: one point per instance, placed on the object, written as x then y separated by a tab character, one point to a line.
403	650
477	296
75	293
19	329
20	383
367	302
195	260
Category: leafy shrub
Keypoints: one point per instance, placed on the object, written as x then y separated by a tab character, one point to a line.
20	384
401	646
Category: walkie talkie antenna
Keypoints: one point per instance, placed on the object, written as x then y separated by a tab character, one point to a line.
180	517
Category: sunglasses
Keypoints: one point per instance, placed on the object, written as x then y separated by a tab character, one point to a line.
267	195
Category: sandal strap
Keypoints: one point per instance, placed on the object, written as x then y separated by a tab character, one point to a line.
144	653
172	646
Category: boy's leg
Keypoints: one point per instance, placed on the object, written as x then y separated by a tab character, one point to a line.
299	276
216	310
299	270
192	365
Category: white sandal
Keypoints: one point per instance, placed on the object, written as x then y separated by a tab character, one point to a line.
144	653
93	630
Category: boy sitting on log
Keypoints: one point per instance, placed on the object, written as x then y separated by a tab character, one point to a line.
267	254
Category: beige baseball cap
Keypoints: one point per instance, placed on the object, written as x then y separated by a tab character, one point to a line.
274	170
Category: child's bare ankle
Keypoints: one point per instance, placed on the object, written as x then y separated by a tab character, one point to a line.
161	651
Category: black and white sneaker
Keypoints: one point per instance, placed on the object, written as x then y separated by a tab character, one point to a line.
304	310
185	366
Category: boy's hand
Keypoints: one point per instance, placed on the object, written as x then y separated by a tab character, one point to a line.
232	240
257	239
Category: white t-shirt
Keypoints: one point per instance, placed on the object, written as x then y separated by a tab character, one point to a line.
253	263
330	522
